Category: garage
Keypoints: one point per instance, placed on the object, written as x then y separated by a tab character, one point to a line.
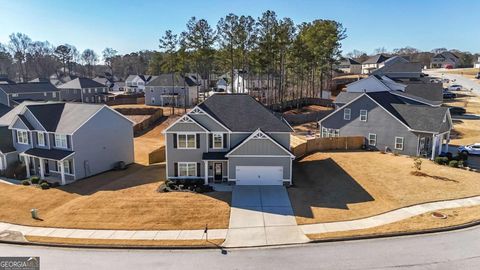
259	175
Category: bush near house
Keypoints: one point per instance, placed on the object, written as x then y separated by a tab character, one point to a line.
34	180
441	160
26	183
453	163
44	185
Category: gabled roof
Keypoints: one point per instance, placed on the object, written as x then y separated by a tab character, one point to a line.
169	80
379	58
349	61
255	135
35	87
399	67
431	92
80	83
242	113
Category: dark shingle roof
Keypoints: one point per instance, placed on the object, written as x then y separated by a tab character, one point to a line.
379	58
345	97
4	109
399	67
80	83
168	80
242	113
214	156
417	117
37	87
349	61
432	92
48	115
55	154
26	122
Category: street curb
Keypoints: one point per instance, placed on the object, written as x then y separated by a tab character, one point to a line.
327	240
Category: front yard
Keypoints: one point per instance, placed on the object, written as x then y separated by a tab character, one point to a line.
116	200
340	186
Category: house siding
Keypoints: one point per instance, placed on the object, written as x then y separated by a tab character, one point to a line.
378	122
259	147
186	127
99	144
185	155
41	96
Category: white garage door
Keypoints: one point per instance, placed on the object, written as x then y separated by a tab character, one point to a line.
259	175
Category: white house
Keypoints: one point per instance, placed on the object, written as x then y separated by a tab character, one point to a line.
136	83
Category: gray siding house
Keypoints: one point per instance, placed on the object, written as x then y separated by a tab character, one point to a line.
12	94
171	89
64	142
391	123
84	90
230	138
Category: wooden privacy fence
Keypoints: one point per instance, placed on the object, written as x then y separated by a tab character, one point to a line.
157	156
126	100
298	119
326	144
155	114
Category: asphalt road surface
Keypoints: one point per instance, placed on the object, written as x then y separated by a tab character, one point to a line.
467	83
448	250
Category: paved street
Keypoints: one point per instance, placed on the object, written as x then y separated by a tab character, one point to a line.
449	250
262	215
467	83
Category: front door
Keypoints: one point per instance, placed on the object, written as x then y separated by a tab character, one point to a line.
47	168
217	172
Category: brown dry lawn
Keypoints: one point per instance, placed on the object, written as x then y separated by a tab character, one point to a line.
116	200
466	131
339	186
455	216
308	109
467	72
112	242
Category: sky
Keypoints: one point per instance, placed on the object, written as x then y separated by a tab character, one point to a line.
129	26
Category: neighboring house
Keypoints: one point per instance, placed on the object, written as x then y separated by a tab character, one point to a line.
373	63
230	138
105	81
136	83
445	59
168	90
84	90
118	87
350	66
429	93
65	142
390	123
477	64
15	93
400	70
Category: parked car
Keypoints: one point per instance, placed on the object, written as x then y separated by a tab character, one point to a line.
472	149
457	110
449	95
455	87
448	66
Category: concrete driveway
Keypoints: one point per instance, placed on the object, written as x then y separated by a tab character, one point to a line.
262	215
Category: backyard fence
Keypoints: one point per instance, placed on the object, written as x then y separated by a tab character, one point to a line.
157	156
154	115
298	119
300	102
126	100
326	144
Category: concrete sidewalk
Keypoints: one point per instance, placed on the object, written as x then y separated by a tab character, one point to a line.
249	240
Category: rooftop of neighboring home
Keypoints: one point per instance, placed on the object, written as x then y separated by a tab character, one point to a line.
399	67
242	113
57	117
171	80
376	59
30	87
103	80
348	61
144	78
4	109
81	83
446	55
416	116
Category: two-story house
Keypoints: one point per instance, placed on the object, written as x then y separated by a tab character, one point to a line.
230	138
84	90
445	60
137	83
171	89
391	122
350	66
373	63
15	93
64	142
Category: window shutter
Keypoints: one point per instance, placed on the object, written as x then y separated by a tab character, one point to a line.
225	140
210	140
198	169
174	141
198	140
175	169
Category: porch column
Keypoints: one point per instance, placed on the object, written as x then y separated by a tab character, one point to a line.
206	173
42	168
447	140
62	172
441	144
27	161
433	147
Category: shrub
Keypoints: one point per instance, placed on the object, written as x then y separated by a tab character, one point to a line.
34	180
453	163
417	164
45	185
26	183
460	163
449	156
441	160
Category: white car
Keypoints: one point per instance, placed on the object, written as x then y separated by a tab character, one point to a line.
455	87
473	149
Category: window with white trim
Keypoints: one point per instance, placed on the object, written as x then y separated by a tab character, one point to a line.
22	136
187	141
61	141
41	138
399	143
54	94
187	169
363	115
347	112
217	141
372	139
330	132
66	166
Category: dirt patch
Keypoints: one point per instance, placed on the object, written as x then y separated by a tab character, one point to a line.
112	242
116	200
138	118
344	186
308	109
456	216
